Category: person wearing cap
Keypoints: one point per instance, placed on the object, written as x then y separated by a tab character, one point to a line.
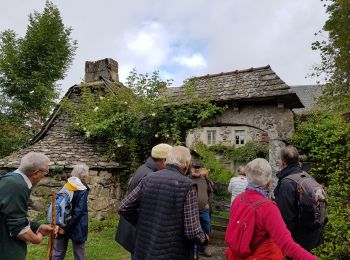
165	207
77	226
205	193
125	235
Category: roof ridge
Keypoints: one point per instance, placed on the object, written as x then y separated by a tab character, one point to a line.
251	69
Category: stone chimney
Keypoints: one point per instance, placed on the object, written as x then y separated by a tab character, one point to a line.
106	69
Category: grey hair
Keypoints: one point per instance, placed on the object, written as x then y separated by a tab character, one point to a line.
258	172
179	155
32	162
80	170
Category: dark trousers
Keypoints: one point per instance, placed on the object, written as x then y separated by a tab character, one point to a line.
60	248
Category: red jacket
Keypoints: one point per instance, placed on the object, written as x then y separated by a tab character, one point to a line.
269	221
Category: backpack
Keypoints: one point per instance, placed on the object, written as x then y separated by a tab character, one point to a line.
241	227
63	208
311	201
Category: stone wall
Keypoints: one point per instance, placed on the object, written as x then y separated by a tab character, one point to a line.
106	68
225	135
277	123
106	191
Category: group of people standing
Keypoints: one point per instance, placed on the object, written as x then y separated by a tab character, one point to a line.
166	214
170	213
278	231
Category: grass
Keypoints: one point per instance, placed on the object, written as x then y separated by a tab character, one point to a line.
100	244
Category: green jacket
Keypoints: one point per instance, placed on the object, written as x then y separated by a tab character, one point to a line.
14	196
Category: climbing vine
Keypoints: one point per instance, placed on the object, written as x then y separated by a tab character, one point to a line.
131	119
210	157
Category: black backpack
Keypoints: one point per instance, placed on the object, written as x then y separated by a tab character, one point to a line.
311	201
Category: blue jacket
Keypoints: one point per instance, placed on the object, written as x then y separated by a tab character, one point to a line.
77	227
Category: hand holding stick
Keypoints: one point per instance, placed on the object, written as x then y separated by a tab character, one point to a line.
53	224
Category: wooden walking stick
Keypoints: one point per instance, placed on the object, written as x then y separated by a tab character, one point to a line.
53	224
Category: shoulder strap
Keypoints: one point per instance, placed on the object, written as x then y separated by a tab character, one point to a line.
255	205
210	187
297	177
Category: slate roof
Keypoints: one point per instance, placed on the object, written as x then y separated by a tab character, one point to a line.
254	84
307	95
64	148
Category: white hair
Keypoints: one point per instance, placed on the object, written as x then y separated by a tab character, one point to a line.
32	162
179	155
258	172
80	170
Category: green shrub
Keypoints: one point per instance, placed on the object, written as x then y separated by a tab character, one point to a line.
245	153
217	171
324	138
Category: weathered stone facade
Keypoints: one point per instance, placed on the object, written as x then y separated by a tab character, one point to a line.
277	123
102	69
65	148
262	124
106	191
256	98
225	135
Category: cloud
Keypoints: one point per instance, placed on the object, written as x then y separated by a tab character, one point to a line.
154	46
196	60
142	43
186	38
148	46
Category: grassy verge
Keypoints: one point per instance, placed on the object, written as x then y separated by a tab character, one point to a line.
100	244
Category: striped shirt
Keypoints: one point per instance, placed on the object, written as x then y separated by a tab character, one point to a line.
237	185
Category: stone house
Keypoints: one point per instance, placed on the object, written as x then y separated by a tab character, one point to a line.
259	110
66	148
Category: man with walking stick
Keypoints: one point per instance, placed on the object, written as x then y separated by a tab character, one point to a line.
15	188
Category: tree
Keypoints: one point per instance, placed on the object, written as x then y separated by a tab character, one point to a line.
30	66
29	69
335	55
324	137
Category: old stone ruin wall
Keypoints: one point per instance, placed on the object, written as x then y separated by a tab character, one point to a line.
106	191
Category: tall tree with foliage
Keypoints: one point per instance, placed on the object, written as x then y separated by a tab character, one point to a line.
335	54
31	65
325	136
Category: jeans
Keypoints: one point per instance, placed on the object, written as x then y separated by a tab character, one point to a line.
204	218
60	248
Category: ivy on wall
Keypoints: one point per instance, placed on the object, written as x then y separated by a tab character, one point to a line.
244	153
218	172
130	120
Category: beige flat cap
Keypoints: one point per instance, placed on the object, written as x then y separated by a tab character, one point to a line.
160	151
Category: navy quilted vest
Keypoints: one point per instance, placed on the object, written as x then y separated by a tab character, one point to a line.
160	228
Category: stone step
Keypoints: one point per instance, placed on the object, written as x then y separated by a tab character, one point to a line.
219	219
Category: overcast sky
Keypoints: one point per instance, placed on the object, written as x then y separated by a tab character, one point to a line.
184	38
